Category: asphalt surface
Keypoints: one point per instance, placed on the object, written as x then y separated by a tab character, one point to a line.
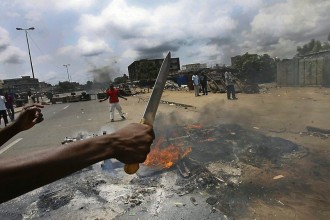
91	193
61	120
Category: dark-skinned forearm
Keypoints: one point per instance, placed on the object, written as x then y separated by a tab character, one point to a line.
7	133
23	174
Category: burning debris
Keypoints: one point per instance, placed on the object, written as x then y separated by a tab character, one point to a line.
167	156
207	170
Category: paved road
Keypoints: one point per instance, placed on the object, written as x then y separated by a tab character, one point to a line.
61	120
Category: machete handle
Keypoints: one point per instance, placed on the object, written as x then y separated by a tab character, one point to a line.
133	167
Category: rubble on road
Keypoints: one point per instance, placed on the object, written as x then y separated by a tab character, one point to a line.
209	183
316	132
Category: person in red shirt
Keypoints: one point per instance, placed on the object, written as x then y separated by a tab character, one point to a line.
10	106
112	95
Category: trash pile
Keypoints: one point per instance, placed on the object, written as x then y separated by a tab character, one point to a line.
171	85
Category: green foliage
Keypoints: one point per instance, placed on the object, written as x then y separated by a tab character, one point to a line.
313	46
65	86
255	68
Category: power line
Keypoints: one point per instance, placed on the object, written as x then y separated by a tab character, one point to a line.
55	65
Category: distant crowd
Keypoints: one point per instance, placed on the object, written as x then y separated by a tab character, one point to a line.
7	104
200	84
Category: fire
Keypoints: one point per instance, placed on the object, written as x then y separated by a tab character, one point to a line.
166	157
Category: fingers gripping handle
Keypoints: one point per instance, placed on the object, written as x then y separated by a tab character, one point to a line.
133	167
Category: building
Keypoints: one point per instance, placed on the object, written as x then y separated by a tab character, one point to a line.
194	67
134	68
308	70
19	85
2	85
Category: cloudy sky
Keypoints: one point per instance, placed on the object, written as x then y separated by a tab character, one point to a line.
105	36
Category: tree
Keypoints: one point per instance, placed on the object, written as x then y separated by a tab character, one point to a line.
255	68
65	86
122	79
313	46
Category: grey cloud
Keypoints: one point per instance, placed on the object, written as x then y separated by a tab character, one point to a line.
193	54
287	22
13	59
3	47
92	53
157	51
220	41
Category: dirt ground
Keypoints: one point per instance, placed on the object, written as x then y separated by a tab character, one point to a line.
263	156
276	112
283	112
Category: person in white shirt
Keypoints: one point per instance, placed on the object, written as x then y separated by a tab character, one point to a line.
195	79
3	109
30	98
230	88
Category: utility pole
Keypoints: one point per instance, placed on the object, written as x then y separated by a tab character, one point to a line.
27	41
67	70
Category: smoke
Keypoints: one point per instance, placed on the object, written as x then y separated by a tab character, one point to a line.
103	74
213	113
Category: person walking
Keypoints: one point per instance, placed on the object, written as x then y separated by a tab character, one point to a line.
195	79
3	109
10	106
112	95
229	80
30	97
204	83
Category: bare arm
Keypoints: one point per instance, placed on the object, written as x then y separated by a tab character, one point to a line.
122	97
19	175
30	116
107	96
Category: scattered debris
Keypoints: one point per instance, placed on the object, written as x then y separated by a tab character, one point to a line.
177	104
215	167
278	177
179	204
211	200
316	132
68	140
183	169
171	85
193	200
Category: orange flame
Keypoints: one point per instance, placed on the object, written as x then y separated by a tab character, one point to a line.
166	157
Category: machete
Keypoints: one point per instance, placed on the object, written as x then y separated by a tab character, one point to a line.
152	106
